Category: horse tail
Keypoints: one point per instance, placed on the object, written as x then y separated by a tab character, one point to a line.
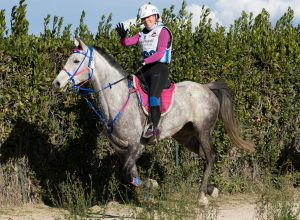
221	90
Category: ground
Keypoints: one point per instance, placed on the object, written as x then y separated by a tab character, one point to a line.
238	207
31	212
225	207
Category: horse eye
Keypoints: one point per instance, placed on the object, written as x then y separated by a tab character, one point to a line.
76	61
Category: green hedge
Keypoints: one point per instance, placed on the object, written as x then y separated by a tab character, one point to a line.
57	132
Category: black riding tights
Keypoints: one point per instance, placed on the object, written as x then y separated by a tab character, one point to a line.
156	76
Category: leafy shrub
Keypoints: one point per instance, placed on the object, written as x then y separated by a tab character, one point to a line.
57	132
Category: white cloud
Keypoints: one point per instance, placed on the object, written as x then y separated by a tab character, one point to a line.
129	22
228	12
225	12
196	10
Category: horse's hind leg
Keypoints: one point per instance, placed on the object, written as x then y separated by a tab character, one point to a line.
205	149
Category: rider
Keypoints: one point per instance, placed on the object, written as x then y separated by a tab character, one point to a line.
156	43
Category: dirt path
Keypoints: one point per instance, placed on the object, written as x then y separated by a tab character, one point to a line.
238	207
32	212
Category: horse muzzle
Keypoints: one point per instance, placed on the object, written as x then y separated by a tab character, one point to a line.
56	84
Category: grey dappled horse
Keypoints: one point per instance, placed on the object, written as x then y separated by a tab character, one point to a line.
191	120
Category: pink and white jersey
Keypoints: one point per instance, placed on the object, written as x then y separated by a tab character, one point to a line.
149	43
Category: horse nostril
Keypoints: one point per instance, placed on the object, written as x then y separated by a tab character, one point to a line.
56	84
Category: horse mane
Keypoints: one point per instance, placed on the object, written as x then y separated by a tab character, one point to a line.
110	59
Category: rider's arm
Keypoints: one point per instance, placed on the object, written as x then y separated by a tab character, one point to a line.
130	40
163	41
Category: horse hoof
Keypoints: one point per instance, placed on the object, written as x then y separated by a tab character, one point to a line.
150	183
215	193
212	191
203	200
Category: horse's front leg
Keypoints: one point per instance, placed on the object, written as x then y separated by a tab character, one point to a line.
129	158
130	173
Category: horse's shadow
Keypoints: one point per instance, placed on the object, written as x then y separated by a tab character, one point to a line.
51	164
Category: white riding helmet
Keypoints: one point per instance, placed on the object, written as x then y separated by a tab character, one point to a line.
147	10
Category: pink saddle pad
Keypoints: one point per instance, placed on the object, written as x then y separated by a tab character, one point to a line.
166	99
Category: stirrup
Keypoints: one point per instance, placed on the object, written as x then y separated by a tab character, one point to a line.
150	131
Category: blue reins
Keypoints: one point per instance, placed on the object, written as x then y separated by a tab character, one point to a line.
77	88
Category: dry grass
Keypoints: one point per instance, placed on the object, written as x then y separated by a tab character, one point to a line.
16	186
9	185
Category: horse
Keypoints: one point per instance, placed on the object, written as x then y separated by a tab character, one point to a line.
190	121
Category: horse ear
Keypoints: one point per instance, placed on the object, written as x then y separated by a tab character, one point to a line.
80	44
76	42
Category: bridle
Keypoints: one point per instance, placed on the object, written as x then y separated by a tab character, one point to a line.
90	68
84	92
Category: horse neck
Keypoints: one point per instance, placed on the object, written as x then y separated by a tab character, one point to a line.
112	98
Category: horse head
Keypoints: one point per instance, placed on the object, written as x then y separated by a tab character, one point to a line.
78	69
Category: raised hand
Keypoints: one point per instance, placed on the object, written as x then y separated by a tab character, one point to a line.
121	30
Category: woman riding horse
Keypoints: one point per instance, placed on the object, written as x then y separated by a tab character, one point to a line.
156	44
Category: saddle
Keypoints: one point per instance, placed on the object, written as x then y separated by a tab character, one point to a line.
166	99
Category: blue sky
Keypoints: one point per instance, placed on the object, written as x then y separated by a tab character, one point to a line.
222	11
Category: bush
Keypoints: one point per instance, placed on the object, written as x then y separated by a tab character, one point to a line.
57	132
